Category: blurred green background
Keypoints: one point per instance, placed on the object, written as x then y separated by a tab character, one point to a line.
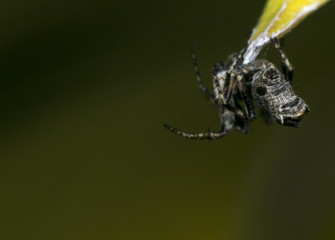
85	89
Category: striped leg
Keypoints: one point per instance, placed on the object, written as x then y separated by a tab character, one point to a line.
236	62
245	94
202	87
225	94
287	67
198	136
233	109
241	124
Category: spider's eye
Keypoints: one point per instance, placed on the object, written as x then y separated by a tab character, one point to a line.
261	90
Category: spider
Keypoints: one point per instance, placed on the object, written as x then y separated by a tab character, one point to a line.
259	83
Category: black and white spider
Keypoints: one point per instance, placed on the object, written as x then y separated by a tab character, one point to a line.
259	83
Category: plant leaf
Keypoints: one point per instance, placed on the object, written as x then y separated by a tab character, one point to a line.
278	18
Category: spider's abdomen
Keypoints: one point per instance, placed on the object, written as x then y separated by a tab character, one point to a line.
274	94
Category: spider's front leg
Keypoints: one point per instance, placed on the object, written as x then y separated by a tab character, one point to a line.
246	96
202	87
234	73
226	94
239	113
228	83
241	124
287	67
198	136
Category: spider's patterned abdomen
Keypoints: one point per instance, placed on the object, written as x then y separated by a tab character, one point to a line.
274	94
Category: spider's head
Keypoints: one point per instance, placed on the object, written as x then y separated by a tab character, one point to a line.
274	94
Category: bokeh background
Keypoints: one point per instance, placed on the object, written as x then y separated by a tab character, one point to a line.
85	89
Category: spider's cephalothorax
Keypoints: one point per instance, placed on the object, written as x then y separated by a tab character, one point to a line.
258	82
228	118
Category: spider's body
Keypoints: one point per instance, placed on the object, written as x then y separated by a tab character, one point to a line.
274	95
258	82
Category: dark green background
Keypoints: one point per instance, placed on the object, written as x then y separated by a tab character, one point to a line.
85	89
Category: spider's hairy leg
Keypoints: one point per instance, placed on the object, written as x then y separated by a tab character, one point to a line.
236	62
198	136
230	91
225	94
202	87
246	96
287	67
233	109
241	124
233	76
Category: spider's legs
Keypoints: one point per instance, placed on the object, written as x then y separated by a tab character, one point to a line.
239	76
198	136
242	86
226	93
286	65
241	124
245	94
203	88
230	90
239	113
236	62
